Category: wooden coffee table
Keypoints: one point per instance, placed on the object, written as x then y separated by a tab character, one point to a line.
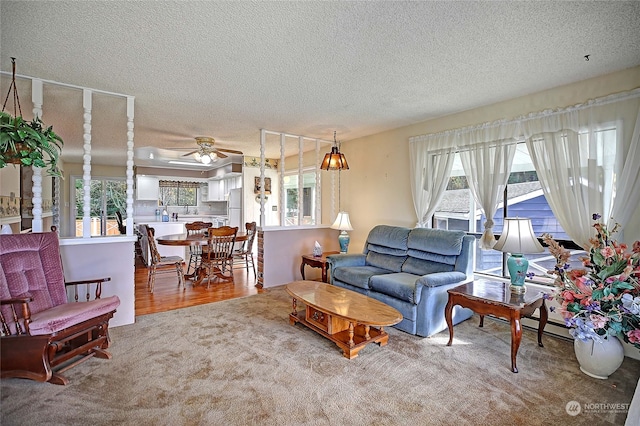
342	316
494	298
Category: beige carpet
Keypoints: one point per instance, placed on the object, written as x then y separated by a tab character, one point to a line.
239	362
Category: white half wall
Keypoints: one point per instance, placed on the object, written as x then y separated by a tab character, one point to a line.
88	258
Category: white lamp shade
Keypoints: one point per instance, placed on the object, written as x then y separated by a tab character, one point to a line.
206	159
518	237
342	222
197	156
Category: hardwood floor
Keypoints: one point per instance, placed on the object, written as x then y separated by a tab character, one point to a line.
167	296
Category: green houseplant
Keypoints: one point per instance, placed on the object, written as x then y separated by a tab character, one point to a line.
29	143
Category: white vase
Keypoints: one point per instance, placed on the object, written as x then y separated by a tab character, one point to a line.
599	359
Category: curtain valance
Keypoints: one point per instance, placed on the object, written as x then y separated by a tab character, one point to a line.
181	184
587	157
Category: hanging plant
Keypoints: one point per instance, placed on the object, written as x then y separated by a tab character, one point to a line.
27	143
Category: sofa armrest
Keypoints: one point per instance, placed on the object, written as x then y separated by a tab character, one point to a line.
340	260
438	279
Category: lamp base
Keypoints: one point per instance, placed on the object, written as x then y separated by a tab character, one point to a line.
343	240
517	265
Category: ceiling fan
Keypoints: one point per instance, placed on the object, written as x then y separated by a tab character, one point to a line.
206	152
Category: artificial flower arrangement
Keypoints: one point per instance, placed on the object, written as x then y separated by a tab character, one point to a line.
603	299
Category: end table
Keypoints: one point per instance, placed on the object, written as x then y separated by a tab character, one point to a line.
494	298
316	262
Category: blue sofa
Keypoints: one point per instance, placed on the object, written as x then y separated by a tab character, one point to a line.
411	270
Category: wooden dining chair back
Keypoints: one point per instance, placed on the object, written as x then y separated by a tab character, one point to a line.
218	258
159	263
244	255
121	227
195	251
42	333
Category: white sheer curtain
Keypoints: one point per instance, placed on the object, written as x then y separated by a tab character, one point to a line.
431	160
588	161
487	169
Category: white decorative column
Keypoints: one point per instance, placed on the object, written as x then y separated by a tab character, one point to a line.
282	193
318	220
300	179
263	141
36	199
86	177
129	224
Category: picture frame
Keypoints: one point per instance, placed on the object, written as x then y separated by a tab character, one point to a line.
267	185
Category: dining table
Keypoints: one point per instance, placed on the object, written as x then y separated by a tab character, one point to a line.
196	239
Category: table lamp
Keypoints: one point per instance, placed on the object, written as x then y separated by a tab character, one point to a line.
517	238
343	224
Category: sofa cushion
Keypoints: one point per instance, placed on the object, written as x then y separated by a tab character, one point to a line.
439	241
357	276
432	250
423	267
393	237
401	286
387	262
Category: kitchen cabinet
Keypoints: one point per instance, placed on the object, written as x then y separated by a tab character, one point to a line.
216	190
147	188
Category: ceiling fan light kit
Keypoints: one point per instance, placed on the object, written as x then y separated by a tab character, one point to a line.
206	153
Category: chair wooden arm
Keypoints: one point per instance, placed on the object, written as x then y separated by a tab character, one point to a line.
16	300
97	281
26	315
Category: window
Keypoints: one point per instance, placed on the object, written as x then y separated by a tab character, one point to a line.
524	198
291	188
173	193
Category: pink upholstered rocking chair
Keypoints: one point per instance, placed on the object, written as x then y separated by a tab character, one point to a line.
43	334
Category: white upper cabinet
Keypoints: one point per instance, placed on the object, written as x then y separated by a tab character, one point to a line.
216	190
147	188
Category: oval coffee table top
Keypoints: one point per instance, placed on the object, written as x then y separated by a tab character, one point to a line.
344	303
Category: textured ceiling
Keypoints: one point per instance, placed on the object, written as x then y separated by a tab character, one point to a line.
227	69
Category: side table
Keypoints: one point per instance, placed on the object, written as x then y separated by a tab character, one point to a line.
316	262
494	298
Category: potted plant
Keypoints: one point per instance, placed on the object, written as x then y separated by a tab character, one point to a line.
600	302
29	143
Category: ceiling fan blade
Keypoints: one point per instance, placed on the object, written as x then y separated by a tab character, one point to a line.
189	153
231	151
219	154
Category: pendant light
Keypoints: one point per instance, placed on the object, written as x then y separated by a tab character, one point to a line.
334	160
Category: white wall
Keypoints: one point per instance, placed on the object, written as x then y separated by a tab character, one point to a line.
88	258
376	188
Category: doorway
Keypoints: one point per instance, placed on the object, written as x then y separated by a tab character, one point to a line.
108	195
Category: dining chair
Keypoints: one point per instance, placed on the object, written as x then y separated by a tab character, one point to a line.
195	251
121	226
218	258
245	253
160	263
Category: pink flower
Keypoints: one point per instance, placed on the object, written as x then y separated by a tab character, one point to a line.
598	320
636	247
634	336
583	285
607	252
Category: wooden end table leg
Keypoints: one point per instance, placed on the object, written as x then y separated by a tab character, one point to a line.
302	269
447	315
366	332
516	337
544	316
324	273
481	321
